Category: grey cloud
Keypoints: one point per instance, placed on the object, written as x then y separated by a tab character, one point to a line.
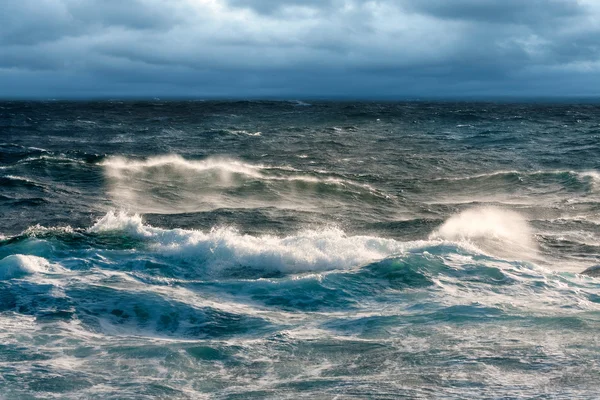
135	14
493	11
29	21
312	48
26	22
274	6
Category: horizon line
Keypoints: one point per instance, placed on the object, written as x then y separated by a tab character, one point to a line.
292	98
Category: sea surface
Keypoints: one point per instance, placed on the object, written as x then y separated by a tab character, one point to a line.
288	250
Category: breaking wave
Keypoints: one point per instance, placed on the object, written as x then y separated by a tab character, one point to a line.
172	184
20	265
496	232
226	248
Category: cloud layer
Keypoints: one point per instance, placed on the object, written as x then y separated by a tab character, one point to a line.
299	48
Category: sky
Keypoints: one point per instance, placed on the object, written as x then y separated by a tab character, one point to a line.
299	48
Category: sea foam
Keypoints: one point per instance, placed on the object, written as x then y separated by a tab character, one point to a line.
496	232
308	250
20	265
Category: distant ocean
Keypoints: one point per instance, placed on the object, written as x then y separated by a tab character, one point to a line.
287	250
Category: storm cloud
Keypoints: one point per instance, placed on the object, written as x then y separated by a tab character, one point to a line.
295	48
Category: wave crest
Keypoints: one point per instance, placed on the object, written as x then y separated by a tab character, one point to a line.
496	232
225	247
172	184
19	265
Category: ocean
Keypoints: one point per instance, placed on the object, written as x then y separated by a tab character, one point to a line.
290	249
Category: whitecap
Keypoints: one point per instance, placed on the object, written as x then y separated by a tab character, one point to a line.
300	103
20	265
222	248
172	184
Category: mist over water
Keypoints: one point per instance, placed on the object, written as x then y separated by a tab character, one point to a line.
172	184
272	250
502	233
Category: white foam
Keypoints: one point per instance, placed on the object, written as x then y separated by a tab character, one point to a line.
37	148
61	158
20	265
119	221
593	175
244	132
41	230
310	250
492	231
477	176
23	179
496	231
300	103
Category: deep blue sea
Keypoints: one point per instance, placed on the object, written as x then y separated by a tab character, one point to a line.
288	250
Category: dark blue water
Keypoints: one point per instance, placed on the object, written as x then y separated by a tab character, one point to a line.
186	250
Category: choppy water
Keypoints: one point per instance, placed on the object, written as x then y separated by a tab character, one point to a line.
286	250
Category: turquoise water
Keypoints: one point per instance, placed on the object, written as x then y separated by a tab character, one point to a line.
285	250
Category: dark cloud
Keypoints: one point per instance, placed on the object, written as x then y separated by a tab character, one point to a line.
275	6
32	21
357	48
493	11
134	14
29	21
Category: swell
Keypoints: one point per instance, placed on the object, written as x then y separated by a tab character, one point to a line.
53	177
543	189
14	182
568	179
14	155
